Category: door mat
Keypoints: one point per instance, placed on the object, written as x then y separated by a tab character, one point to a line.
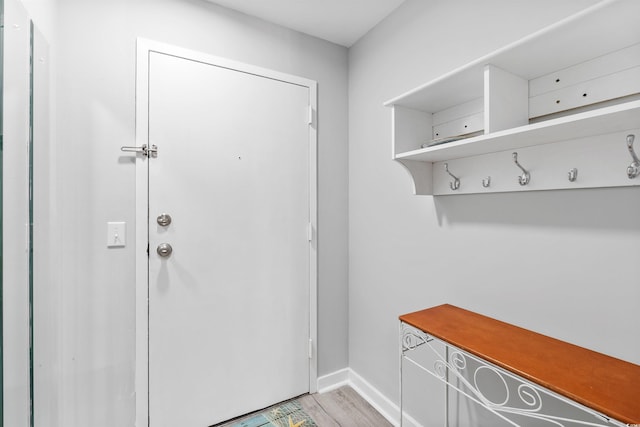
289	414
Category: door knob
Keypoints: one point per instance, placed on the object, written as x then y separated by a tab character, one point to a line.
164	250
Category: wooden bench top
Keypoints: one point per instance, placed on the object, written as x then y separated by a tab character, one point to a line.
610	386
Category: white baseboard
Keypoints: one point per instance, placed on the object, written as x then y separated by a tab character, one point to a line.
372	395
333	381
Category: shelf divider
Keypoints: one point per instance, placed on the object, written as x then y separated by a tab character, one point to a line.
506	100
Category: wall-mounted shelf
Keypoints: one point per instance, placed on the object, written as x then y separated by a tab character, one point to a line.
616	118
563	85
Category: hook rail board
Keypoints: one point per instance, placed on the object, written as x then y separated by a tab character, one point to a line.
596	161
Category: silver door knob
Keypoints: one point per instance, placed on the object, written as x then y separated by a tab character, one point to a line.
164	250
164	219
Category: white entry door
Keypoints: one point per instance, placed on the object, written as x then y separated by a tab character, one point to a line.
229	307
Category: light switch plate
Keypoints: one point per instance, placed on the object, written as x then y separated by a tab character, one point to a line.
116	234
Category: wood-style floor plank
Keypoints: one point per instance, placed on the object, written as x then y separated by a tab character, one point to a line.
317	412
348	409
342	407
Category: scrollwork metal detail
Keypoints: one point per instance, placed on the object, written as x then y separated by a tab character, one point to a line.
505	394
481	395
458	361
440	368
530	396
412	337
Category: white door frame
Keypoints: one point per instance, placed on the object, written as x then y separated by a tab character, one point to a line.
144	48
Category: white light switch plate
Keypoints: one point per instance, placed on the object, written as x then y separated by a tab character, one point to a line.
116	234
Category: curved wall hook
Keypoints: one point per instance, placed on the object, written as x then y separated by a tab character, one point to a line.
456	181
634	168
486	182
573	174
526	176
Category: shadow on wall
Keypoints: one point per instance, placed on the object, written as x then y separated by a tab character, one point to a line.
607	209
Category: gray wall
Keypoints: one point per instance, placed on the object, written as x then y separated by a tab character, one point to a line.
95	116
563	263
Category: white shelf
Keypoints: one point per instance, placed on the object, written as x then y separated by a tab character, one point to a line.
616	118
583	65
605	27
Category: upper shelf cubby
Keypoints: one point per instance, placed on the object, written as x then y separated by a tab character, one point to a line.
603	28
614	118
576	78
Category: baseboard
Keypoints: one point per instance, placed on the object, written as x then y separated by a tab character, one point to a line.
372	395
333	381
380	402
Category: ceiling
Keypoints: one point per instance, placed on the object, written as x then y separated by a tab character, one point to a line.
338	21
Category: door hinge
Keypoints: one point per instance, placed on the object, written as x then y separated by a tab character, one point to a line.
310	232
144	150
310	348
310	118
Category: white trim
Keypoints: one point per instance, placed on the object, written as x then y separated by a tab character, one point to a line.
144	47
142	233
372	395
313	245
334	380
15	222
379	401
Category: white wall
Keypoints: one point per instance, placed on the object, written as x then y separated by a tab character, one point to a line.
95	111
43	14
563	263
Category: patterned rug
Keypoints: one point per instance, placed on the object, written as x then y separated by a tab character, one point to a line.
289	414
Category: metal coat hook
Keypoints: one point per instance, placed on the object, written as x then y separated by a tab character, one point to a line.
486	182
456	181
573	174
634	169
526	176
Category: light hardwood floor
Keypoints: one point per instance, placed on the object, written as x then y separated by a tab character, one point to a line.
342	407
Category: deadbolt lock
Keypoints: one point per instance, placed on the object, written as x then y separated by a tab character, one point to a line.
164	219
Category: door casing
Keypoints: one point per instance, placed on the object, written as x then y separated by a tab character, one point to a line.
144	47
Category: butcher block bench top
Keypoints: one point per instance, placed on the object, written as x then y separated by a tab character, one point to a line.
608	385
